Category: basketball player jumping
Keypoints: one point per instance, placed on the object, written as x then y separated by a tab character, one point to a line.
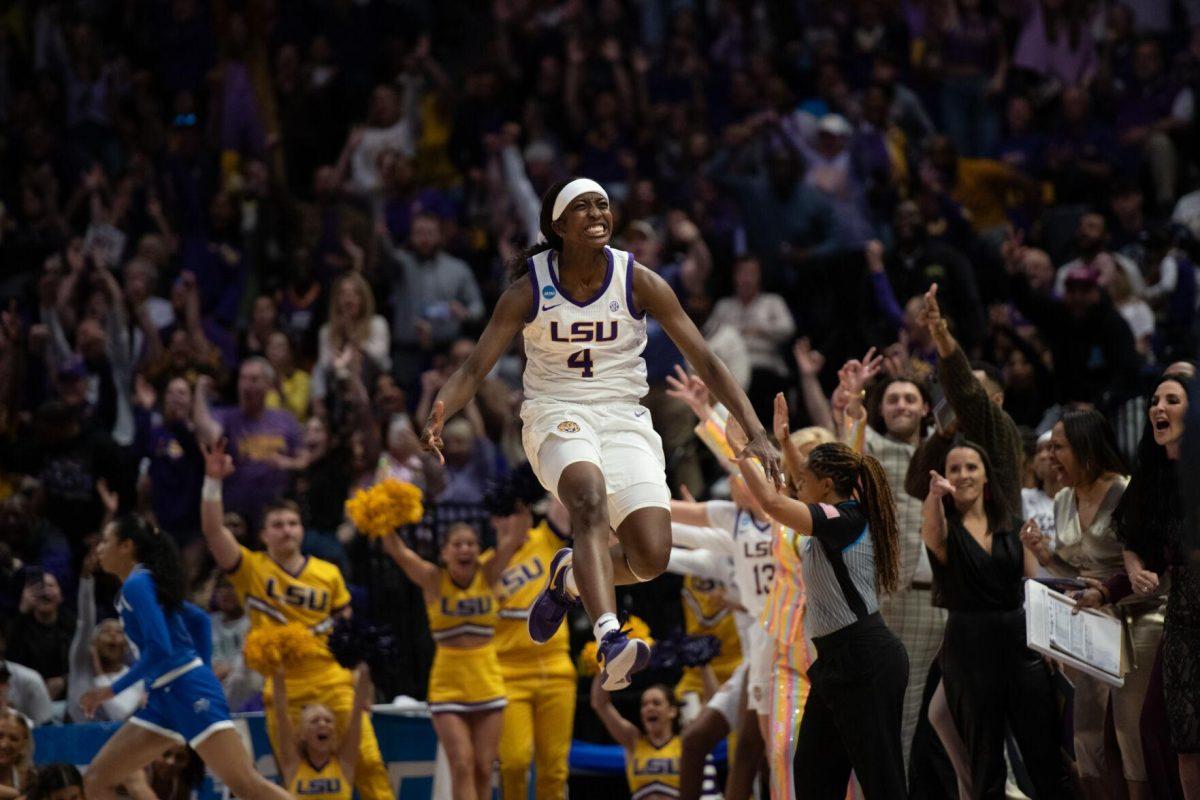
582	307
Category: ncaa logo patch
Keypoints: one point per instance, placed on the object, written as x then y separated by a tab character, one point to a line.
614	305
548	292
568	427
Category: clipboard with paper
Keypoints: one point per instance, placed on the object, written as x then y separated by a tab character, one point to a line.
1088	641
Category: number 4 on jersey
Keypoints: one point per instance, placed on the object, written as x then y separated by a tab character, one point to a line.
581	359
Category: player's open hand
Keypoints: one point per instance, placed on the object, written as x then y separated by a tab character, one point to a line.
431	437
760	447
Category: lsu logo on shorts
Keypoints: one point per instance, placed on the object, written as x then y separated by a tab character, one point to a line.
568	426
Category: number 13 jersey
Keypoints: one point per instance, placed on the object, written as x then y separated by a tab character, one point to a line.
588	351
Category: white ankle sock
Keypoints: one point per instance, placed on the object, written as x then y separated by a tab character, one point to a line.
606	623
569	582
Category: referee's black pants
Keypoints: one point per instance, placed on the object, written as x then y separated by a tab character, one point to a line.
852	717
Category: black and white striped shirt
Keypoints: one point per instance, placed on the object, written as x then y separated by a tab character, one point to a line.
839	568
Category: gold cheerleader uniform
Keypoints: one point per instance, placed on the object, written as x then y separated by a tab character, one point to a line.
706	614
653	771
326	783
540	679
464	679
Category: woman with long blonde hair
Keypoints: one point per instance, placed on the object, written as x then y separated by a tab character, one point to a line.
352	324
16	754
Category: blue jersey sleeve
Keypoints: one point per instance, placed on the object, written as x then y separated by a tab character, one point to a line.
154	644
199	627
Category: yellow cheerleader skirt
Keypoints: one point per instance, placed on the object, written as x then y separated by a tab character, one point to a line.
464	680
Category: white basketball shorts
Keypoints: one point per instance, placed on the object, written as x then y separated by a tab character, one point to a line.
618	438
727	700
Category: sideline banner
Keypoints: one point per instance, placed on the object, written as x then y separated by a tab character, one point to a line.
406	740
408	744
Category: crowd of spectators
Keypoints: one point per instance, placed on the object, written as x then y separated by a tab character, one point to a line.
284	223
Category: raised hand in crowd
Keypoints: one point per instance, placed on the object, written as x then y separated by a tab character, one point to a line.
808	361
690	390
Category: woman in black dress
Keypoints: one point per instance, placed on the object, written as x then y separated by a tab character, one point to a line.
1150	523
992	679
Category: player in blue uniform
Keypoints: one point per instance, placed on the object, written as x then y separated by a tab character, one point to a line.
173	640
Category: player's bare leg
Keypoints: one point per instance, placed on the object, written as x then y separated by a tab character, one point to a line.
644	548
592	568
582	491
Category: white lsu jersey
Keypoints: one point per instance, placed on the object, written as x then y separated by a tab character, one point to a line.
753	564
589	351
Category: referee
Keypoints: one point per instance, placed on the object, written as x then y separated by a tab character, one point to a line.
849	544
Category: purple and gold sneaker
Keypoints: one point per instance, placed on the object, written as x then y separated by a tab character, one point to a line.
548	610
620	657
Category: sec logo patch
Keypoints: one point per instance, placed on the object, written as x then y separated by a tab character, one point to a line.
568	427
614	305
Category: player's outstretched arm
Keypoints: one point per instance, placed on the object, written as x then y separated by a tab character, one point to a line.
512	309
655	296
778	506
218	465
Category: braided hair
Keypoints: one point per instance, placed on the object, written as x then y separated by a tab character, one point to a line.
519	266
855	474
157	553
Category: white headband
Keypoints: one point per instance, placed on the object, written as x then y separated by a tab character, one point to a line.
571	191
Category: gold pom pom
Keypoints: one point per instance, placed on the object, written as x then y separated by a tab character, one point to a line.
268	647
384	507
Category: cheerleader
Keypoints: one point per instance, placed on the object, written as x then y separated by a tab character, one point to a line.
466	687
314	765
651	754
184	702
540	680
16	755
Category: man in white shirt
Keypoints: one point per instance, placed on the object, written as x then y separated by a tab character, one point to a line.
765	323
24	690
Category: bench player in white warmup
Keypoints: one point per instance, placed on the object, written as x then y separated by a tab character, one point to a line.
582	307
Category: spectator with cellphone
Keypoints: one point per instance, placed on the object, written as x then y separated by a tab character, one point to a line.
1083	448
40	635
